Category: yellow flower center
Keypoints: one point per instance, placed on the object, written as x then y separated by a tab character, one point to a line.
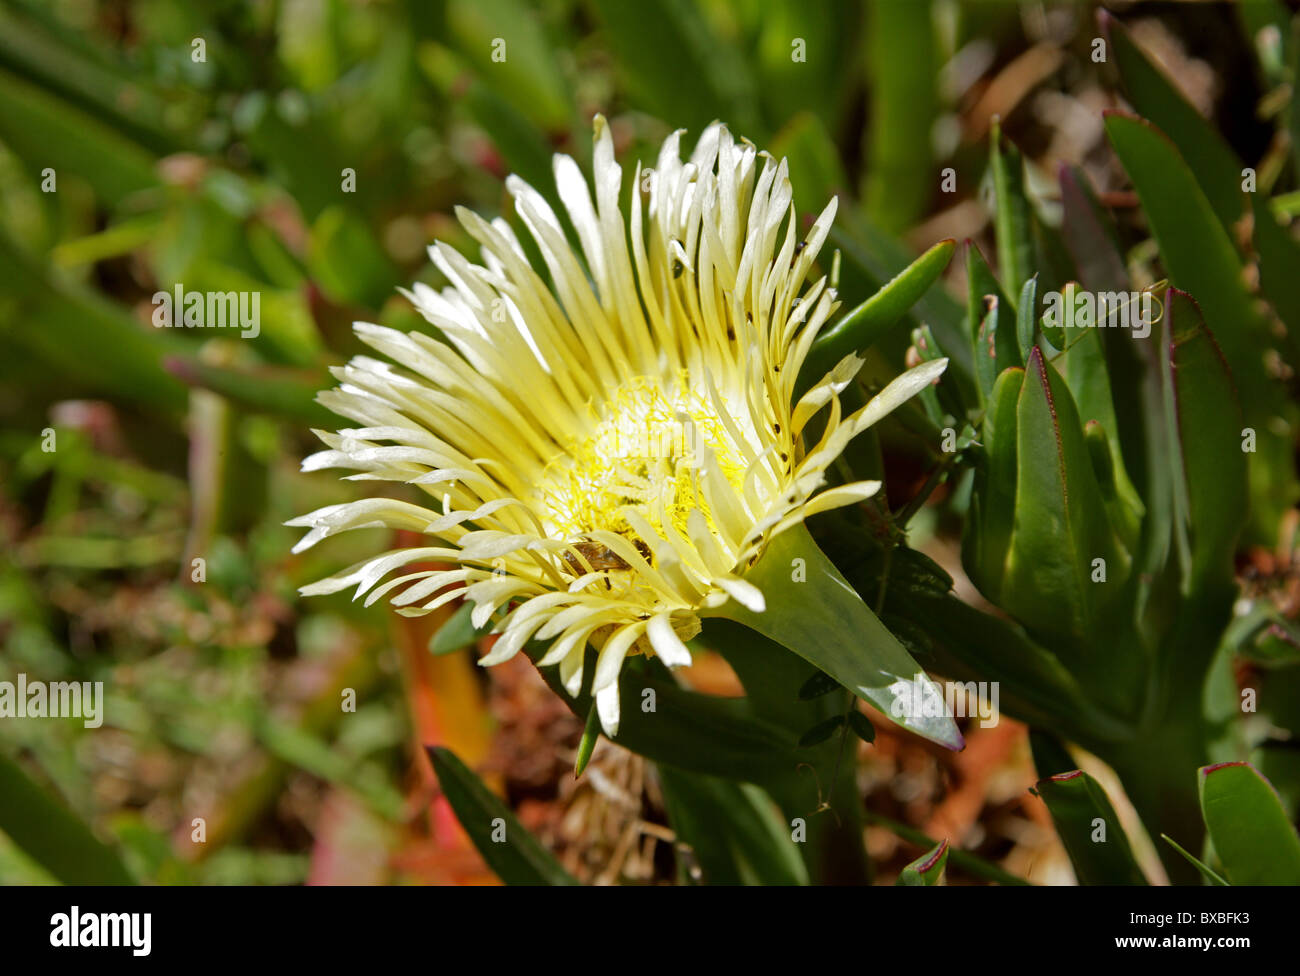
643	450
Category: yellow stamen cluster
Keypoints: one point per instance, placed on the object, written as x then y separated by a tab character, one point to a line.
644	450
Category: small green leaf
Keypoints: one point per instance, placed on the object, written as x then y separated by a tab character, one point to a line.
973	865
1252	837
819	684
1026	319
927	870
862	727
512	852
820	732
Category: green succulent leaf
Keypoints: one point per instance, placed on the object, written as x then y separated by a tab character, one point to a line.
1252	837
864	325
52	836
1061	526
587	744
519	858
903	65
1012	215
1090	235
927	870
824	621
1202	261
1212	496
1090	830
1026	319
733	829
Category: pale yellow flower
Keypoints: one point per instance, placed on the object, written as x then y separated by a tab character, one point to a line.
604	457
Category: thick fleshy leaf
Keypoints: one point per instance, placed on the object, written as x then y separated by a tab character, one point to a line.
991	319
1202	261
1087	374
1052	582
1208	443
1216	167
871	258
1193	243
1090	830
587	744
1012	216
864	325
902	64
812	610
927	870
1027	317
1252	837
971	864
991	521
1157	98
1033	685
52	836
274	390
511	851
1090	234
733	830
36	125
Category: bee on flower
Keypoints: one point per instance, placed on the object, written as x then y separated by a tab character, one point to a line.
603	457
